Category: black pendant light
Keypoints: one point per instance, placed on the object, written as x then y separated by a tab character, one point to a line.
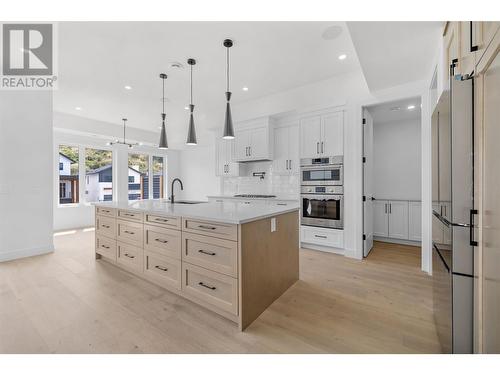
163	135
191	138
228	122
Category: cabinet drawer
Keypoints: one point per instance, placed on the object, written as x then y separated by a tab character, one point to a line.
211	253
211	287
129	232
322	236
165	271
163	241
104	211
105	226
163	221
130	215
106	247
220	230
129	256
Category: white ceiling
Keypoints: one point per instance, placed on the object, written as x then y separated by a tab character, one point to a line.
389	112
97	59
394	53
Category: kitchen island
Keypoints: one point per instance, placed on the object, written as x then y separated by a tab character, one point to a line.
232	258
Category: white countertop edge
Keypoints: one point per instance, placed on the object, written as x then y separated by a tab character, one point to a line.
256	199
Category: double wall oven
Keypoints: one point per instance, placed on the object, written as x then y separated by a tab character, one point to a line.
322	192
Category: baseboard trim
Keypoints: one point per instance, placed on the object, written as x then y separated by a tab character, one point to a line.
24	253
398	241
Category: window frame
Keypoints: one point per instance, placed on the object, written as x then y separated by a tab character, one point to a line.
85	201
150	156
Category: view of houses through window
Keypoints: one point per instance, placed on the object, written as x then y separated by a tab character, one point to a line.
138	176
98	175
68	175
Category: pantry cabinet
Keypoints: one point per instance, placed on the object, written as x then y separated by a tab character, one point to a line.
225	164
397	219
322	135
286	150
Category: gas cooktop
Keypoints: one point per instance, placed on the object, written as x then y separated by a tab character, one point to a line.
254	196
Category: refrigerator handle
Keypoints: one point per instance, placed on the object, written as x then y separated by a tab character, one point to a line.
471	228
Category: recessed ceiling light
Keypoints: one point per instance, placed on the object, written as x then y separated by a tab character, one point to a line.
78	108
331	32
245	88
342	57
186	108
394	109
128	87
410	107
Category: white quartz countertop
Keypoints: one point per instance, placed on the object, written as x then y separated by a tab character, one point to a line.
223	212
278	198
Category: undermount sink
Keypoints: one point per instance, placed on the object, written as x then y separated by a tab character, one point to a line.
188	202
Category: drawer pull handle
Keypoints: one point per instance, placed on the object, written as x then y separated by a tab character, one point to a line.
126	231
281	204
105	226
206	252
106	247
318	236
207	227
106	211
201	283
125	214
162	269
161	220
129	256
160	240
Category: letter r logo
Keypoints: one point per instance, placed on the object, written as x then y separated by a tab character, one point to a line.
27	49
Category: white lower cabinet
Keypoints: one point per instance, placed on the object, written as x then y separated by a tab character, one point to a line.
322	236
397	219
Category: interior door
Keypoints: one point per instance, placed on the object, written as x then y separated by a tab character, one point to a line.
310	133
491	209
368	215
332	134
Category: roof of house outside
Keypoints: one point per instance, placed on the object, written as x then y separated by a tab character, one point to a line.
71	160
105	167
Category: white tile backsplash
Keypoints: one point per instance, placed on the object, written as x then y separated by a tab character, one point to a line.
286	187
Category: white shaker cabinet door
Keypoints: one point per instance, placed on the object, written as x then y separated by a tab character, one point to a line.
398	219
380	218
259	143
281	151
242	145
310	136
415	221
332	139
293	149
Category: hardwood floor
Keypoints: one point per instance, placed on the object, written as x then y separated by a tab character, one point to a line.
67	302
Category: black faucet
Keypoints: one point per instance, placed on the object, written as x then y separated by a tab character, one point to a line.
172	189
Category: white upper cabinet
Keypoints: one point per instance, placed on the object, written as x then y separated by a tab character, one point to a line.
286	150
224	154
253	140
332	127
310	135
322	135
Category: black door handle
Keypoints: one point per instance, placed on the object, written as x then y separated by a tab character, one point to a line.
471	228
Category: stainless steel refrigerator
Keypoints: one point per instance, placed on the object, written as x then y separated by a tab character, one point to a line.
453	214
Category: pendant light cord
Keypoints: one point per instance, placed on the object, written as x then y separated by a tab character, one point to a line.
124	121
191	85
227	69
163	98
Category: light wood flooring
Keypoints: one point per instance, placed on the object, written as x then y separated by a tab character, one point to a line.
67	302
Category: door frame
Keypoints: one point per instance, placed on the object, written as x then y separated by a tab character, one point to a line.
418	89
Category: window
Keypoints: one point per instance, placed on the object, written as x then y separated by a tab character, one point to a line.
131	179
98	175
138	169
68	175
158	183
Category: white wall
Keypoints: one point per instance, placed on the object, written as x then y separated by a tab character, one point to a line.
397	160
26	172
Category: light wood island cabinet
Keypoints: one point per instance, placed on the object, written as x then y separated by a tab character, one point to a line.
235	270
